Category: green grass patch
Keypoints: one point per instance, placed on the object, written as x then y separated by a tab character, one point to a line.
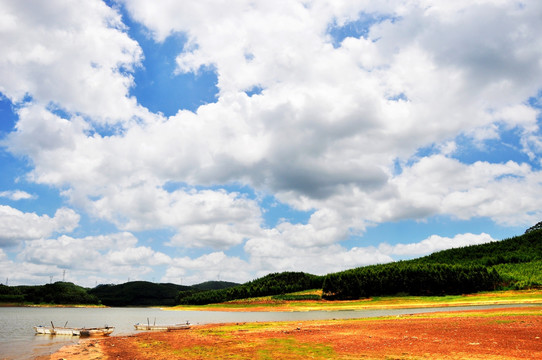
152	344
279	348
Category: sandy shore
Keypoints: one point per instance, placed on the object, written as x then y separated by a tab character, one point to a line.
88	349
495	334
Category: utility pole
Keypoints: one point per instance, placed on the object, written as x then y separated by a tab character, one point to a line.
63	275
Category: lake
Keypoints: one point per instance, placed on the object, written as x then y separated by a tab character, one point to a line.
18	340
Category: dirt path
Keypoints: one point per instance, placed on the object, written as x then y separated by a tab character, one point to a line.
488	334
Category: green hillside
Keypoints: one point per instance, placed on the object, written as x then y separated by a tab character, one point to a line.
213	285
58	293
272	284
143	293
518	260
409	278
518	249
514	263
137	293
511	263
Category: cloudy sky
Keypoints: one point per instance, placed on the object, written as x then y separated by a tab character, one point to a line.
185	141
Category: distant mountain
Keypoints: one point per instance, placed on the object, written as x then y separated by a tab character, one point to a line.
138	293
272	284
143	293
134	293
214	285
59	293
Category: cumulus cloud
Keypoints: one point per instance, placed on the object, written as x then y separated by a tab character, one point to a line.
435	243
91	259
211	266
137	256
200	218
63	52
337	127
16	195
443	185
16	226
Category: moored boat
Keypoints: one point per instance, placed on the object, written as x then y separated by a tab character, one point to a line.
162	327
52	330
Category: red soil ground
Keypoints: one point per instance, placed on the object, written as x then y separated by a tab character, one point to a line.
486	334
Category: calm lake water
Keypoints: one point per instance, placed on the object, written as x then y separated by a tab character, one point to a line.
18	340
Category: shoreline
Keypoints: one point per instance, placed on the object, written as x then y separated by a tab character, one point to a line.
88	348
509	297
447	335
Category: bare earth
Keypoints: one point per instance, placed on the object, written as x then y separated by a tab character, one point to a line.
480	334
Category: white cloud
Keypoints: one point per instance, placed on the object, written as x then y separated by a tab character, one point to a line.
75	55
212	266
273	253
92	259
200	217
16	226
137	256
505	192
324	127
435	243
326	134
16	195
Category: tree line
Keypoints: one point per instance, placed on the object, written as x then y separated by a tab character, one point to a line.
515	250
58	293
134	293
272	284
409	279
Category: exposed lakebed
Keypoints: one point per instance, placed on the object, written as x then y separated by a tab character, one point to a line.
18	340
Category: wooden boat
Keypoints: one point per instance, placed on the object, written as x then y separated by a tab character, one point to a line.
52	330
162	327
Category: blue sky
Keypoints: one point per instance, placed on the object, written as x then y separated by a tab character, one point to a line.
195	141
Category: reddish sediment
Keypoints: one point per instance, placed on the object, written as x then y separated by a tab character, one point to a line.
480	334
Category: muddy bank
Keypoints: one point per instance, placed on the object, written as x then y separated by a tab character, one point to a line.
486	334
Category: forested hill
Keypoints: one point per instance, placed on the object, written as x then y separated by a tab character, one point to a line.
143	293
137	293
272	284
519	249
60	293
213	285
134	293
514	263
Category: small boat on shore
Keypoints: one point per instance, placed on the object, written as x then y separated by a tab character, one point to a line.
66	331
147	326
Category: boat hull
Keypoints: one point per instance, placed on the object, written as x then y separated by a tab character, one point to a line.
44	330
161	327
